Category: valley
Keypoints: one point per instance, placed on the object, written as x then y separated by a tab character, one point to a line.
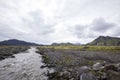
21	60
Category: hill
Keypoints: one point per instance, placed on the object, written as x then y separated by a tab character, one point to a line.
65	44
61	44
17	42
106	41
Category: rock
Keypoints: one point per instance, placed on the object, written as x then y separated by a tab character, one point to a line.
85	69
110	67
113	75
87	76
97	66
104	76
118	66
64	73
40	52
59	76
48	65
104	63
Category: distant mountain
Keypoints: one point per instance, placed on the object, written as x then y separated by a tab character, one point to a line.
17	42
77	44
106	41
61	44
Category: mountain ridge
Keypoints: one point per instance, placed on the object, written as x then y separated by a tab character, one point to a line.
65	44
106	41
17	42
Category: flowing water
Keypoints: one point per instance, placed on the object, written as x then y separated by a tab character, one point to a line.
25	66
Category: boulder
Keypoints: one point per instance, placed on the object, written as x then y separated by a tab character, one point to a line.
118	66
110	67
87	76
97	66
113	75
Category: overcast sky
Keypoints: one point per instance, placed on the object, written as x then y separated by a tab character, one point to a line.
48	21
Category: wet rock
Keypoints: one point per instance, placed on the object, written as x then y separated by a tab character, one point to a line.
85	69
40	52
98	71
101	75
62	75
104	63
57	76
118	66
97	66
65	74
87	76
113	75
104	76
72	79
48	65
110	67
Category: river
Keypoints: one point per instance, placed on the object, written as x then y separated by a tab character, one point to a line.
25	66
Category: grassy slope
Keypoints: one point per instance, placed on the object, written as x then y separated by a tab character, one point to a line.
88	48
106	41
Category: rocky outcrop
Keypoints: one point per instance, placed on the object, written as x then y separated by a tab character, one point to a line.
99	71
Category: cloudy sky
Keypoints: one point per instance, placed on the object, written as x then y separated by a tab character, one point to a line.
48	21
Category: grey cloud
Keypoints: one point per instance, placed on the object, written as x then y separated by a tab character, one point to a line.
7	32
42	21
100	25
80	30
37	23
115	31
31	27
83	31
117	34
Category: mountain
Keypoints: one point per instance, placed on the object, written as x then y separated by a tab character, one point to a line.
17	42
65	44
62	44
77	44
106	41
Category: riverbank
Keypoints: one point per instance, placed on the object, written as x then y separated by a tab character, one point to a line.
71	64
8	51
25	66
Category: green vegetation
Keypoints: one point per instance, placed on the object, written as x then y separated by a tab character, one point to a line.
106	41
86	48
64	47
104	48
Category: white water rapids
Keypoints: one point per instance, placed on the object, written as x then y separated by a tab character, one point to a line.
25	66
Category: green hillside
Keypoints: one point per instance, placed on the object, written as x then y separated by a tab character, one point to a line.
106	41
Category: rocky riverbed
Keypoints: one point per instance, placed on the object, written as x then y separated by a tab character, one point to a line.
81	65
25	66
